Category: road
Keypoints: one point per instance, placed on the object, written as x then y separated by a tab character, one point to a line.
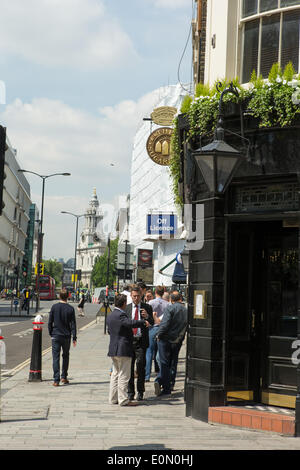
18	331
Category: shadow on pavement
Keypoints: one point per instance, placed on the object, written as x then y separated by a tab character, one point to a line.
141	447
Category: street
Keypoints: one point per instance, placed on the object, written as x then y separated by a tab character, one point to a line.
17	330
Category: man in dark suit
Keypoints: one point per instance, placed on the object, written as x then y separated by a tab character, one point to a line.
137	310
121	350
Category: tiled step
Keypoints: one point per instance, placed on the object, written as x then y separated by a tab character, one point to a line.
252	419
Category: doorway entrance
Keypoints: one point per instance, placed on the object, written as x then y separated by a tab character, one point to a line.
261	324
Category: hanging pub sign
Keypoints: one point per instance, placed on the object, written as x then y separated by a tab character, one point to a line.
164	115
161	224
159	145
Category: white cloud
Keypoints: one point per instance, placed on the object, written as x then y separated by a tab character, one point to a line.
72	33
53	133
51	137
170	3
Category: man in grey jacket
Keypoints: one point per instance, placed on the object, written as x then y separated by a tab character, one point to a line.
169	338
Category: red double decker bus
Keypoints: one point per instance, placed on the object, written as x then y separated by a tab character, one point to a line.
47	287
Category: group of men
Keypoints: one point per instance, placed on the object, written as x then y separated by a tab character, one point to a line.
135	329
140	332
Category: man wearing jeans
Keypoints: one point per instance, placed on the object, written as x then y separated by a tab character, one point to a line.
158	305
61	326
169	336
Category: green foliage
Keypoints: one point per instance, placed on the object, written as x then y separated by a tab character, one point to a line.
54	269
289	72
274	102
257	82
202	90
186	103
99	272
175	163
275	73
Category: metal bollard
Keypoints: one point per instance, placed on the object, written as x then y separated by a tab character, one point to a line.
35	372
2	361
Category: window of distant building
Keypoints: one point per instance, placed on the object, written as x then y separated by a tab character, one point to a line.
270	34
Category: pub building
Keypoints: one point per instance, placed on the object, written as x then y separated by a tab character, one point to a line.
243	294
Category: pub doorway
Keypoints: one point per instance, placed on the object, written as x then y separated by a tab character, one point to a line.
261	319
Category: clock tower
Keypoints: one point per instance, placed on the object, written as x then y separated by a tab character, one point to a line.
91	242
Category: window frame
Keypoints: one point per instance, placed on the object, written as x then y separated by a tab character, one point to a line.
260	16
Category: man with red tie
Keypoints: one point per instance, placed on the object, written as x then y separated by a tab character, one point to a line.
138	310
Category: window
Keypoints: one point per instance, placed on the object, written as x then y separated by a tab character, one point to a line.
290	38
250	55
269	38
288	3
249	8
267	5
269	43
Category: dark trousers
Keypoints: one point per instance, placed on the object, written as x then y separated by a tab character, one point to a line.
168	357
60	343
139	358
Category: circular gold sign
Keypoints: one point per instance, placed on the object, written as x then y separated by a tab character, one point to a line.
158	145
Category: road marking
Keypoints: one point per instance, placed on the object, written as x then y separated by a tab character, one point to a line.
7	323
21	334
11	372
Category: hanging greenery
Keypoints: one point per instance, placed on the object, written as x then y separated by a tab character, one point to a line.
275	102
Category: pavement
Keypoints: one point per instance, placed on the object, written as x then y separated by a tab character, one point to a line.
38	416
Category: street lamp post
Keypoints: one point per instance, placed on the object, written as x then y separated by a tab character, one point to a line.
76	236
40	234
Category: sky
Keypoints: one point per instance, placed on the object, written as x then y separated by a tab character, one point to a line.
80	76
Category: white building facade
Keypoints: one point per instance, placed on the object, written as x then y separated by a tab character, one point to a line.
151	193
91	241
13	221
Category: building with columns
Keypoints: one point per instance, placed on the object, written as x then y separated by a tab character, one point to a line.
91	241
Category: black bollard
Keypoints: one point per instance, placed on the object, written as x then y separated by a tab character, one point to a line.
35	372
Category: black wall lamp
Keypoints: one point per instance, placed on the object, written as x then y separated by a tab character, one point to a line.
218	161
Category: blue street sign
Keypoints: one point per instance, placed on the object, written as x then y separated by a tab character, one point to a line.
161	224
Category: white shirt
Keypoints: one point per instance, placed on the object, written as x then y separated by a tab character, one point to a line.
139	333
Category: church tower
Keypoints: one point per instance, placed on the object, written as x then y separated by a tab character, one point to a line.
91	242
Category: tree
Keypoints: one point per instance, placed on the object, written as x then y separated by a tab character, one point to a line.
54	269
99	272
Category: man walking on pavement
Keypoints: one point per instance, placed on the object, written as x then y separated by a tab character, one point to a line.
121	350
61	326
138	310
169	339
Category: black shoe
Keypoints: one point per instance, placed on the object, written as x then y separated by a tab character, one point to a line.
157	388
130	396
140	396
164	394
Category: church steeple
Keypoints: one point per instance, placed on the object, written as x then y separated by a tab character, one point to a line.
91	244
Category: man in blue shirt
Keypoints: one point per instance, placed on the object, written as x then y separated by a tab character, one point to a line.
158	306
169	336
61	326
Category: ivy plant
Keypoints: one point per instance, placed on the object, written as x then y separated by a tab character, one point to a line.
275	102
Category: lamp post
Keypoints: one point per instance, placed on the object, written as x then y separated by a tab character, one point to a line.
76	236
40	234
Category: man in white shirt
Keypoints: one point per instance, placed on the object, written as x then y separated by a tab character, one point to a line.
138	310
